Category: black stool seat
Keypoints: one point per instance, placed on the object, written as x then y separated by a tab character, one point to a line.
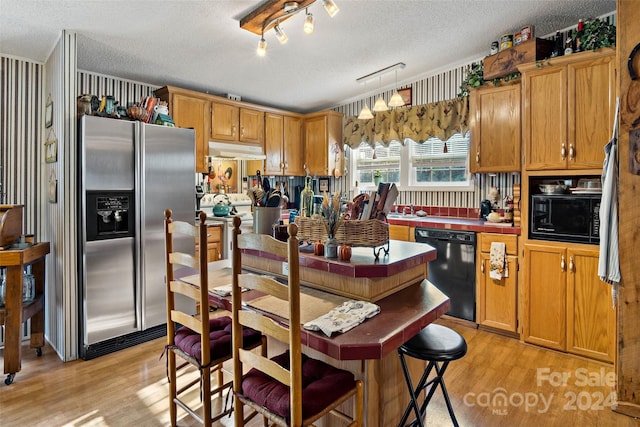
437	343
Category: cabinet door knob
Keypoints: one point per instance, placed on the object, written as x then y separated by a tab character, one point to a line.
233	130
286	165
482	267
571	265
572	152
241	130
563	264
563	151
478	157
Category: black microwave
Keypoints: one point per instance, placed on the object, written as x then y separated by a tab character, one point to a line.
565	217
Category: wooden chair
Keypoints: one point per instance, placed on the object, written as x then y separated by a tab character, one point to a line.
290	389
201	341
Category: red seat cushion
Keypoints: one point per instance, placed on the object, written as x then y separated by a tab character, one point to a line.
219	339
321	385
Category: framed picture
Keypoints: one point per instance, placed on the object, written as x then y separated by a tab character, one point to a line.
48	114
323	184
406	95
51	148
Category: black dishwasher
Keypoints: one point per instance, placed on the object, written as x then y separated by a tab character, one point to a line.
454	269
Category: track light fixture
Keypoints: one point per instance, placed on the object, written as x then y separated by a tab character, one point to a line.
271	14
330	7
308	23
280	34
262	47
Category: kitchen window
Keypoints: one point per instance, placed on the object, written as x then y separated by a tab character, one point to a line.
416	167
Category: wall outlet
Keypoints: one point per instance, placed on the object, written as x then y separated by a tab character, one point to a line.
285	268
234	97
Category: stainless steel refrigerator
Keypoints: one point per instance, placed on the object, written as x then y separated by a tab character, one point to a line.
129	173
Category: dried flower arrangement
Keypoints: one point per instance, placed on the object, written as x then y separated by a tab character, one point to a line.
331	213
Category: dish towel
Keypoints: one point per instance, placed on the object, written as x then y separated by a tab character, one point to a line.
344	317
609	261
497	261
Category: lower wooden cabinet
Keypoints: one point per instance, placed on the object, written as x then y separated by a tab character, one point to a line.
402	232
567	307
496	300
214	243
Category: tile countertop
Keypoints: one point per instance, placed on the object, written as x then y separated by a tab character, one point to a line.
454	223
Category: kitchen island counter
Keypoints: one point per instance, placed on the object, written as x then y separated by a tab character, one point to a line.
369	349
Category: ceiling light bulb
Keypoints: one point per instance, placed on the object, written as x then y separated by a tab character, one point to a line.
380	105
308	23
282	37
262	47
365	113
330	7
396	100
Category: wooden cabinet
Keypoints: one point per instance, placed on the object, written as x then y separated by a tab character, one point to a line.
496	302
323	143
214	243
231	122
495	129
568	110
283	145
189	110
402	232
567	307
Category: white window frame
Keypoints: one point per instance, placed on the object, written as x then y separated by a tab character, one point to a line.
407	183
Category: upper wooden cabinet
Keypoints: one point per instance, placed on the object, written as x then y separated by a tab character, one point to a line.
495	129
233	123
323	143
190	110
283	145
568	110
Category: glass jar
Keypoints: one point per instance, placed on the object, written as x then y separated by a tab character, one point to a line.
28	286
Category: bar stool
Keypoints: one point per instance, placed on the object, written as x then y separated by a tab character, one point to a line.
438	345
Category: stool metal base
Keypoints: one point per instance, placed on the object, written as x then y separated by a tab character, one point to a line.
423	384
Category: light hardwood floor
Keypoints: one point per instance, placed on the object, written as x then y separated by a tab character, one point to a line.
129	388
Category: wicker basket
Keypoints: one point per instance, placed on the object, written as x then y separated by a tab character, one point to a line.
368	233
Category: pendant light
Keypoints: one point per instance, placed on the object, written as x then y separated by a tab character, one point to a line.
396	100
380	105
365	113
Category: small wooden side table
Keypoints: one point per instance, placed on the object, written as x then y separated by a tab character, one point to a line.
14	313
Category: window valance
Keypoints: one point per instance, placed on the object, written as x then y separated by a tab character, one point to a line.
419	123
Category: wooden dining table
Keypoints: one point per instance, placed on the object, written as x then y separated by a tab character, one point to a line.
369	349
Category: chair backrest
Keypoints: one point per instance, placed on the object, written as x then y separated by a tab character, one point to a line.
176	260
289	334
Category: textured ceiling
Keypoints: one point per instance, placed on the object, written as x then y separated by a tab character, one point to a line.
199	44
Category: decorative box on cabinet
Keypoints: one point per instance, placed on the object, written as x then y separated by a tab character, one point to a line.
496	304
495	129
506	61
283	145
569	105
190	109
323	143
567	307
